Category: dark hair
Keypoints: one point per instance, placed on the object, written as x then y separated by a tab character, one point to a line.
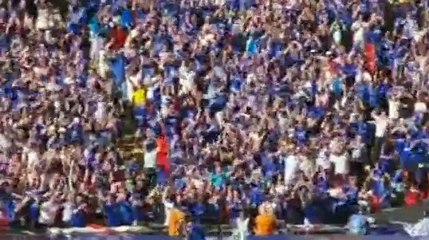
251	213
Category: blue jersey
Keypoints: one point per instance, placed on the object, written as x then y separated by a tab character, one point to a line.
78	219
196	233
113	214
126	212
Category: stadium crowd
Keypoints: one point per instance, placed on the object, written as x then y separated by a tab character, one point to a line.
305	109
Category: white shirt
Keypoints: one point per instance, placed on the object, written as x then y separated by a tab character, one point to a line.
4	142
236	28
363	76
103	66
152	85
165	104
291	167
100	113
381	124
335	145
69	80
219	2
42	21
150	159
393	109
167	209
68	211
133	34
48	211
97	44
357	28
420	107
186	79
341	163
280	189
51	86
335	192
32	158
322	160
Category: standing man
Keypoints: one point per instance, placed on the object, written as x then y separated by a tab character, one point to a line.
381	123
150	159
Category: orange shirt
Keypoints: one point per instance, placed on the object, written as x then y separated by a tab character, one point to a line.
265	225
177	218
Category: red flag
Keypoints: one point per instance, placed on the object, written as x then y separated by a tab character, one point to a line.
162	158
370	58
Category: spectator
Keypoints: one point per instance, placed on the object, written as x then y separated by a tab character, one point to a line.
265	222
177	219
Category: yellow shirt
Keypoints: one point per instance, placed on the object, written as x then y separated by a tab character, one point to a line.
177	218
265	225
140	96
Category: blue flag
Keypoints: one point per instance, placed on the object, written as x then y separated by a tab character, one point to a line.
127	18
118	69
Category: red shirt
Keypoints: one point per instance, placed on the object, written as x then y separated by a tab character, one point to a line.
119	36
412	198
